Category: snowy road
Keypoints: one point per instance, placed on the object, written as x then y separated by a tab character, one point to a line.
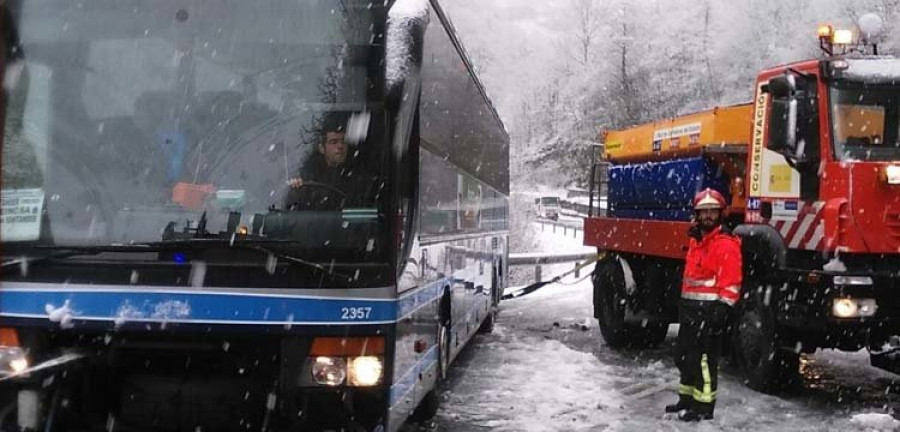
545	368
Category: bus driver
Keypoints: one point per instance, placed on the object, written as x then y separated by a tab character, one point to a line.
327	181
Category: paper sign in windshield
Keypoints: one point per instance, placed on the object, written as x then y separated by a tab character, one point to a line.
20	215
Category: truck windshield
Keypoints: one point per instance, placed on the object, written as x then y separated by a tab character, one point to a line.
866	121
143	121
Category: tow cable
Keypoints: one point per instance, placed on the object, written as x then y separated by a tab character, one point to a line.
538	285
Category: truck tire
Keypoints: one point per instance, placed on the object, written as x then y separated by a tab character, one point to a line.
766	366
654	334
609	309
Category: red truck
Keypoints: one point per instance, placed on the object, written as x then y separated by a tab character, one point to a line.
811	168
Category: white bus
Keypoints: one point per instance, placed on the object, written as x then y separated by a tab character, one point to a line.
168	273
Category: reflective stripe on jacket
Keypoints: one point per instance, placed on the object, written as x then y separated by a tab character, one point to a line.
713	268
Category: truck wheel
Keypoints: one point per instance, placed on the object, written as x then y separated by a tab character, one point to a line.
610	313
609	308
654	334
766	367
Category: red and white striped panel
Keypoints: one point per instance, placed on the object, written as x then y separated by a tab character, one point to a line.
807	231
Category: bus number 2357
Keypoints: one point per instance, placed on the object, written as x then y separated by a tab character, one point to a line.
355	313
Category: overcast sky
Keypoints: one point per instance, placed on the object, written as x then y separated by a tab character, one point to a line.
514	44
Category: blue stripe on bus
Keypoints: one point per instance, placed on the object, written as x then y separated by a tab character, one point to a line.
174	307
406	383
212	307
408	303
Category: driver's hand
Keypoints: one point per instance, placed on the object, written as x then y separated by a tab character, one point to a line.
295	182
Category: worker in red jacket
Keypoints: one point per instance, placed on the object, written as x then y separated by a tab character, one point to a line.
710	287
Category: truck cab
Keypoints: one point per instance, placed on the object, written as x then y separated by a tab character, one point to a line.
824	175
831	143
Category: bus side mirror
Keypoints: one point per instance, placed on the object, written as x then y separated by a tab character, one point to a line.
404	54
404	48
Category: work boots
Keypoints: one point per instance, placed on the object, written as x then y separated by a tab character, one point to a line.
698	411
684	403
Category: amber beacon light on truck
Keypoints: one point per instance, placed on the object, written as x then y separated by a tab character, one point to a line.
835	41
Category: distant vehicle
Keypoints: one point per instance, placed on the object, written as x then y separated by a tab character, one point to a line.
812	171
547	207
157	273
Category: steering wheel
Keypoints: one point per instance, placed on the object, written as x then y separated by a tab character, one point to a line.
314	196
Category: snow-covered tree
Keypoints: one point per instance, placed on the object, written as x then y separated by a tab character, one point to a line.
567	70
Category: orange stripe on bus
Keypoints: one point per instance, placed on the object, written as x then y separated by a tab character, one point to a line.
347	346
9	337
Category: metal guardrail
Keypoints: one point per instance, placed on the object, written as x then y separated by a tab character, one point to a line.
559	226
548	258
537	260
542	258
575	208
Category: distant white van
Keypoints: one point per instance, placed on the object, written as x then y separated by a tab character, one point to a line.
547	207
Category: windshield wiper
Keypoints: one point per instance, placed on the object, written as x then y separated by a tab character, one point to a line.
253	245
63	252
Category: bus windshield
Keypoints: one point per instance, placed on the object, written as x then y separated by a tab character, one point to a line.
866	122
144	121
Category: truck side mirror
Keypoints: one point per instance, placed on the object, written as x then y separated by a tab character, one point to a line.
783	114
782	87
783	126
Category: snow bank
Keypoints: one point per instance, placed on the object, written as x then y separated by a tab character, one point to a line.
876	421
557	395
535	383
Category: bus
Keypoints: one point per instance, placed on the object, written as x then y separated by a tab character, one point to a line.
168	264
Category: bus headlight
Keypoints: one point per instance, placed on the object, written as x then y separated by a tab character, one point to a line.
853	308
365	371
12	361
330	371
345	361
